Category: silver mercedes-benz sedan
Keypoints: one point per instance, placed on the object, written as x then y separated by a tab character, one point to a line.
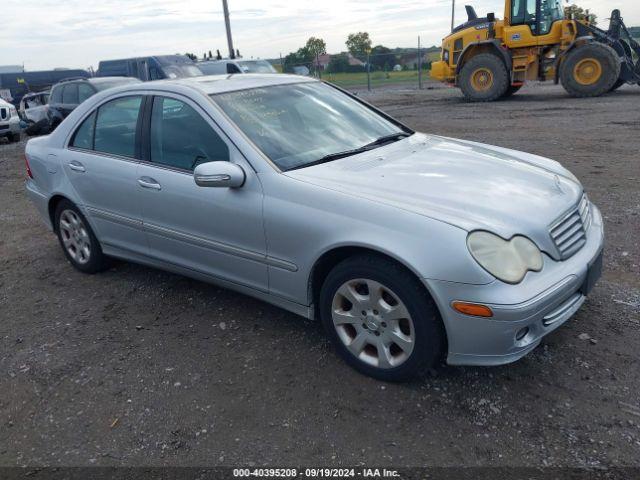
408	247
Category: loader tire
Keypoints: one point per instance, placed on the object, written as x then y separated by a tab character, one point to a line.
590	70
512	90
617	85
484	78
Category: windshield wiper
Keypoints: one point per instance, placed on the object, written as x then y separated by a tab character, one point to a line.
347	153
388	138
331	156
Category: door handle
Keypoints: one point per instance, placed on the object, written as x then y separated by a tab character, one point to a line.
77	166
148	182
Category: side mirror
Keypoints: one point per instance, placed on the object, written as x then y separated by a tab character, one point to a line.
219	174
491	17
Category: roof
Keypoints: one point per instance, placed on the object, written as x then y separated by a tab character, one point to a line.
35	94
99	80
212	84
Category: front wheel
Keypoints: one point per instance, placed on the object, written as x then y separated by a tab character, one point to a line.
484	78
79	243
380	318
590	70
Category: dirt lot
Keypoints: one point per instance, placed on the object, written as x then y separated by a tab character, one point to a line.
139	367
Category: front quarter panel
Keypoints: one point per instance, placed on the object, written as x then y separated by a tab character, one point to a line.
303	221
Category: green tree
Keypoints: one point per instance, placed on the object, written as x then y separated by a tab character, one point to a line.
315	46
579	13
358	43
338	64
297	58
382	57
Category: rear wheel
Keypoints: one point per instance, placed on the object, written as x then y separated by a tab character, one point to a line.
484	78
79	243
380	318
13	137
590	70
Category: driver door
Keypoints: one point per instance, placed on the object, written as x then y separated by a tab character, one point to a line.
215	231
522	31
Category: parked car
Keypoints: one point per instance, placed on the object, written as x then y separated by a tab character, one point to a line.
33	111
9	122
221	67
406	246
68	94
150	68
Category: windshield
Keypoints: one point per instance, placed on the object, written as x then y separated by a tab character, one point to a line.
256	66
182	71
300	124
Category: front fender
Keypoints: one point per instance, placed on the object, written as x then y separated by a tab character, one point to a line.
303	221
492	44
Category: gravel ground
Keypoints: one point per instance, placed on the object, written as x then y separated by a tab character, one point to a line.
139	367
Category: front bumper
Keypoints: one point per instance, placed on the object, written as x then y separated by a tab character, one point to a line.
541	303
9	129
442	72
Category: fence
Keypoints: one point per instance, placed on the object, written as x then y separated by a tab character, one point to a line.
402	67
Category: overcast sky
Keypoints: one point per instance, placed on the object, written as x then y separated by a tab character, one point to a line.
45	34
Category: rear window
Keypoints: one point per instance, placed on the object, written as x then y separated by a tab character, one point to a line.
56	94
70	94
100	86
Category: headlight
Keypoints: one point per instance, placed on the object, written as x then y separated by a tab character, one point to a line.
507	260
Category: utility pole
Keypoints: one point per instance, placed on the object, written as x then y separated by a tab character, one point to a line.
453	13
419	65
227	24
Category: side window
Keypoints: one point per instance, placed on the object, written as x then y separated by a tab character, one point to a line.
115	130
70	94
56	95
232	68
84	92
154	74
181	138
83	138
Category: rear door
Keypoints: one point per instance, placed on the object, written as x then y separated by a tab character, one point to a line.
101	163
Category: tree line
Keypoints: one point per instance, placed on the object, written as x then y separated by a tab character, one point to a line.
359	46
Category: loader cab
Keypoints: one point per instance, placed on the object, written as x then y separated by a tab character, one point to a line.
529	20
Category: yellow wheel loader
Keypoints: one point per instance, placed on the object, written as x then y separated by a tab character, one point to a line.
490	59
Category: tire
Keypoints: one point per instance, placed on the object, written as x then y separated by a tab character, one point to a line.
417	325
74	236
512	90
617	85
484	78
590	70
13	137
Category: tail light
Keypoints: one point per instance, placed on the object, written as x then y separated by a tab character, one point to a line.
26	161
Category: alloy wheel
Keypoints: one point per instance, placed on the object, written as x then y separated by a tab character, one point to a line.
373	323
75	236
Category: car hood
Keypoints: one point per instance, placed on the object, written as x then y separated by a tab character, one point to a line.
469	185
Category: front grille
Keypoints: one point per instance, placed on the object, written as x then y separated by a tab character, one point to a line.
569	233
4	113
